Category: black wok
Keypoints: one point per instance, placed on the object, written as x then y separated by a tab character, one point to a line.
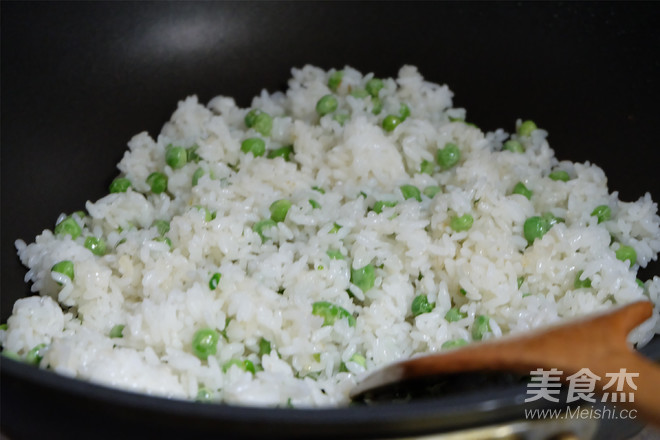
79	79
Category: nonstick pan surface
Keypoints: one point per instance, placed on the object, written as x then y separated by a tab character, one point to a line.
79	79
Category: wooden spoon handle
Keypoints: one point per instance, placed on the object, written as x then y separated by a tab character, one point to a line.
634	379
599	346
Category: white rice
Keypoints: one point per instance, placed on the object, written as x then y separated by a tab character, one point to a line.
162	295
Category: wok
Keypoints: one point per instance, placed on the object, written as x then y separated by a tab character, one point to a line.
79	79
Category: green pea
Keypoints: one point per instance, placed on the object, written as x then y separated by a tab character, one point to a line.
315	204
260	121
11	355
249	366
157	181
203	395
117	331
250	117
205	343
462	223
196	176
341	118
35	355
162	226
391	122
331	313
208	215
411	192
535	227
380	204
374	86
559	175
521	189
68	226
224	330
454	314
581	284
164	240
364	277
404	112
334	81
215	279
256	146
260	226
514	146
176	157
245	365
64	267
334	254
359	93
119	185
283	152
480	327
431	191
427	167
551	219
263	124
191	154
421	305
377	105
335	228
454	343
326	105
96	245
602	212
279	209
264	346
627	253
359	359
448	156
526	128
318	189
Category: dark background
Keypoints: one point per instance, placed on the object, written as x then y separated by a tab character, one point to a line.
79	79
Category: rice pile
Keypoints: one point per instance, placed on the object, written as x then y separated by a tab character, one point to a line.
295	297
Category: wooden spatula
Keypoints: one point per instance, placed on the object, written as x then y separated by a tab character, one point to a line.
596	343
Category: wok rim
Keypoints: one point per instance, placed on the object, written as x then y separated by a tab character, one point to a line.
433	415
458	411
